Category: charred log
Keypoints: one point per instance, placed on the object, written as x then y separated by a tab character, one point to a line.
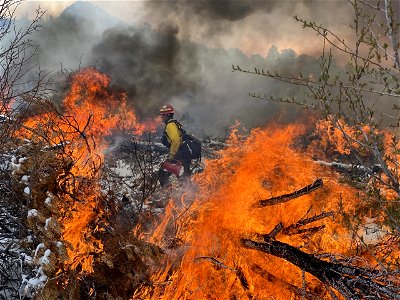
274	232
296	228
287	197
351	282
310	230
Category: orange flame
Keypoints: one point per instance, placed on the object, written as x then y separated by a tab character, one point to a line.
92	111
83	246
343	139
262	166
333	138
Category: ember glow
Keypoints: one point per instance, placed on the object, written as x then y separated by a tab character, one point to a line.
215	265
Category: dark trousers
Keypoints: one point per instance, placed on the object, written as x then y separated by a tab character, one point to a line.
185	159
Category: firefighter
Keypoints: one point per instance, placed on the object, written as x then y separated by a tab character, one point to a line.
172	138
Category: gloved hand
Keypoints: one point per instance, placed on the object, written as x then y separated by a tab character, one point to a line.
167	160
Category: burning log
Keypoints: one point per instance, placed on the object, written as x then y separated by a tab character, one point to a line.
274	232
295	228
285	198
351	282
310	230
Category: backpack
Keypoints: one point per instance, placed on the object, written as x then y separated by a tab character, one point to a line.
192	144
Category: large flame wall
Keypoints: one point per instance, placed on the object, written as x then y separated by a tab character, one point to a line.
91	111
264	165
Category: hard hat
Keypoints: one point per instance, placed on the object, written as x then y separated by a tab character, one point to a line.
174	166
167	109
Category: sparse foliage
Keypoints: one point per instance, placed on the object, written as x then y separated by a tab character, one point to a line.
360	100
21	81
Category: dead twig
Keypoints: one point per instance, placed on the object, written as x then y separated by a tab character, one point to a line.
285	198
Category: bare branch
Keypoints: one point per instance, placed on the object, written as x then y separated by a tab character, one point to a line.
287	197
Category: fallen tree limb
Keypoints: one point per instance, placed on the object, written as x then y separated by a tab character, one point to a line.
274	232
285	198
295	228
279	228
347	280
310	230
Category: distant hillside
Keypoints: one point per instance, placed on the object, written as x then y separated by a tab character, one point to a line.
91	14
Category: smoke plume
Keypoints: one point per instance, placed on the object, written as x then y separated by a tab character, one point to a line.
157	65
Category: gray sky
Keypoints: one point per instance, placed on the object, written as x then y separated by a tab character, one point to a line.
252	26
182	52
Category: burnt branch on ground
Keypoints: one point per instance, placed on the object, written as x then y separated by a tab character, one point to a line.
274	232
261	272
285	198
352	282
296	228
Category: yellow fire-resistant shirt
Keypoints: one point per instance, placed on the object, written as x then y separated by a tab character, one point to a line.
174	137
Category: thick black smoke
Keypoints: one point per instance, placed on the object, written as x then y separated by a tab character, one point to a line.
155	67
231	10
152	66
267	18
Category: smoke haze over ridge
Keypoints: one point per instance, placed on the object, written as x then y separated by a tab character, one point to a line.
252	26
164	62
